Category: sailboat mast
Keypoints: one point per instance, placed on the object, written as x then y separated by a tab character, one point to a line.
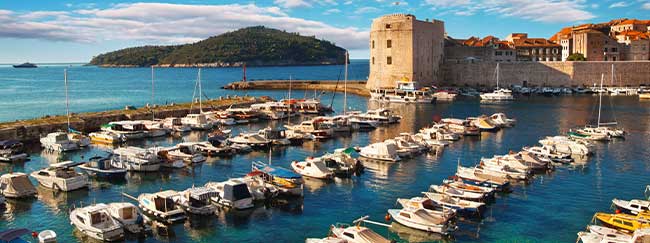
67	101
345	85
153	116
289	115
200	94
497	75
600	98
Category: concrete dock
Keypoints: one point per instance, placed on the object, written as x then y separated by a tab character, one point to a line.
357	87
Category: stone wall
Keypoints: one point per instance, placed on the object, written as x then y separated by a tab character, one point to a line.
566	74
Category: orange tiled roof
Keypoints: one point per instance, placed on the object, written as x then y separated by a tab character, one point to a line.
634	35
633	21
534	42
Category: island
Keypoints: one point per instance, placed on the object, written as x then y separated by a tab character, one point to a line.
252	46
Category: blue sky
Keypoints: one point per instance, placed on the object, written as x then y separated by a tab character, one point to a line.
74	30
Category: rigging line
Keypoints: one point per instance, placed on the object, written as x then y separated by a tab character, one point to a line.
194	94
335	89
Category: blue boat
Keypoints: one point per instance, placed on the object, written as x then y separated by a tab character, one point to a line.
285	180
13	235
101	167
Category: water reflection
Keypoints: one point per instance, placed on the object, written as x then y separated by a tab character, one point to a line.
413	235
60	201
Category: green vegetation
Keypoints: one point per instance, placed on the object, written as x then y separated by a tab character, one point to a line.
255	46
576	57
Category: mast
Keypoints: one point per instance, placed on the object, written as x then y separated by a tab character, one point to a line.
289	115
153	116
497	75
600	97
67	101
345	86
200	93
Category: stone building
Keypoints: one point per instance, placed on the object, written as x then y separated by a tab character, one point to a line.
402	46
635	45
475	49
631	24
596	46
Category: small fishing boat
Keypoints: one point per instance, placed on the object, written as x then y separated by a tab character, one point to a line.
363	124
613	132
316	127
277	136
14	235
445	95
128	216
197	200
564	144
461	126
271	110
259	189
12	151
480	178
422	220
313	168
61	177
634	206
356	233
341	162
328	239
155	128
453	192
58	142
624	221
403	150
380	151
162	206
244	115
136	159
404	92
460	185
412	142
197	122
101	167
460	205
106	137
589	133
286	181
130	130
186	152
175	124
96	222
600	234
233	193
549	152
381	116
251	139
501	120
483	123
16	185
429	205
341	123
439	132
503	170
207	149
510	163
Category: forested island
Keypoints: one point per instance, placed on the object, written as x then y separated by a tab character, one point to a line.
253	46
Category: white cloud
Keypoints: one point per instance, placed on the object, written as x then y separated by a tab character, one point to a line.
646	6
43	14
365	10
618	5
292	3
160	23
549	11
347	3
331	11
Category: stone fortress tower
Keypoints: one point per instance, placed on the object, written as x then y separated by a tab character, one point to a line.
402	47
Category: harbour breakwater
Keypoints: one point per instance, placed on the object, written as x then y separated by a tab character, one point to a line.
33	129
357	87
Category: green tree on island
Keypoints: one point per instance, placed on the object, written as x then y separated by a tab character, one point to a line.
576	57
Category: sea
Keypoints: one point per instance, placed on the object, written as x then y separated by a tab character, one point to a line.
551	207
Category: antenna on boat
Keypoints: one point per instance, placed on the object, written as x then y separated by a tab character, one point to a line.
67	101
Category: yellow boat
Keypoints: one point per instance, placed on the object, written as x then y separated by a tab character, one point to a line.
625	221
644	96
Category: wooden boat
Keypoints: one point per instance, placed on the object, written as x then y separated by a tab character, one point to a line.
96	222
634	206
16	185
625	221
101	167
61	177
161	206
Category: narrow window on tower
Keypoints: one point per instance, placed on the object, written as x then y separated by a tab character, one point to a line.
389	60
373	44
389	44
373	60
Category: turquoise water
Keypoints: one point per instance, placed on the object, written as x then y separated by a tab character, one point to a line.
551	208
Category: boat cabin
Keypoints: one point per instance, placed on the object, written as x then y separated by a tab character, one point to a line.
164	201
199	196
16	185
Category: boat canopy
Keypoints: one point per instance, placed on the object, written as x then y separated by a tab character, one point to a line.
6	144
12	234
277	171
235	192
201	193
16	183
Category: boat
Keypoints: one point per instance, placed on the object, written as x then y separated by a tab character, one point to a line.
601	131
634	206
161	206
58	142
453	192
128	216
251	139
197	122
445	95
197	200
208	149
410	140
589	133
272	110
243	115
47	236
341	162
154	128
12	151
362	123
356	233
499	94
501	120
380	151
101	167
233	193
644	96
107	137
186	152
625	221
439	132
429	205
175	124
61	177
599	234
422	220
477	177
549	152
316	127
460	185
96	222
310	106
14	235
313	168
16	185
258	187
483	123
461	126
564	144
328	239
278	136
499	169
286	181
381	116
25	65
129	130
136	159
404	92
460	205
341	123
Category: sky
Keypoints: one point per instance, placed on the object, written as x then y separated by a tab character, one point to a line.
54	31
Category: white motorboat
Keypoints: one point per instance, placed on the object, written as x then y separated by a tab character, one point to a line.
61	177
197	200
128	216
258	188
440	132
430	140
565	145
16	185
460	205
514	162
501	169
453	192
590	133
405	92
162	206
102	167
501	120
130	130
599	234
341	123
612	131
136	159
633	206
404	150
381	151
175	124
58	142
462	186
207	149
243	115
286	181
445	95
479	177
341	162
197	122
233	193
328	239
186	152
316	127
12	151
548	152
312	168
357	233
96	222
277	136
461	126
483	123
381	116
428	205
422	220
251	139
81	140
272	110
412	142
155	128
107	137
362	123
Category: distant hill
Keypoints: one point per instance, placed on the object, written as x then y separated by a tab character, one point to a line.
255	46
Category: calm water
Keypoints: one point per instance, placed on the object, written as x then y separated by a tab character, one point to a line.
551	208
